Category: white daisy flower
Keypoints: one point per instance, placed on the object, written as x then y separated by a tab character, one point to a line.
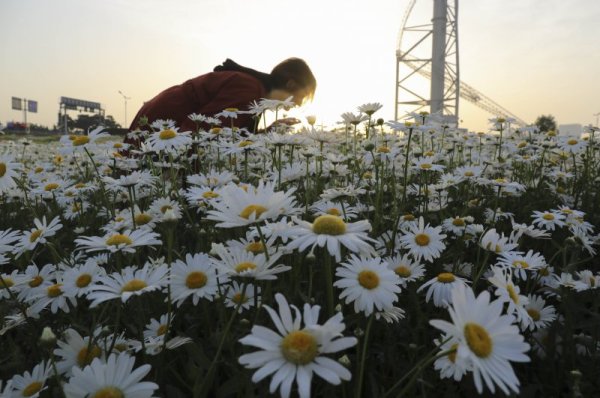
35	280
8	238
451	365
196	277
38	235
497	243
407	268
368	283
486	339
541	314
440	288
136	179
115	378
295	353
8	172
54	296
169	139
239	207
76	351
236	295
114	242
548	220
31	384
509	293
423	241
131	281
521	263
237	261
331	231
160	206
79	280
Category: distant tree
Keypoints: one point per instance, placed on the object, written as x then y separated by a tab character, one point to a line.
86	122
545	123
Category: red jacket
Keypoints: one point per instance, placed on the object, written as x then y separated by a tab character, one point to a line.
206	94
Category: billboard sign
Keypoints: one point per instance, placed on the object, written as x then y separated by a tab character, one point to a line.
72	103
17	104
32	106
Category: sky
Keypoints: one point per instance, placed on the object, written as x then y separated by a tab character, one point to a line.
532	57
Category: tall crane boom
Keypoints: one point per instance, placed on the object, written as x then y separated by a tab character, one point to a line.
467	92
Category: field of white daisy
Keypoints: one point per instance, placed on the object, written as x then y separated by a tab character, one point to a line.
374	259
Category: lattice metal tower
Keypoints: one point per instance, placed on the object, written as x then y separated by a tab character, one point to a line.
430	51
427	68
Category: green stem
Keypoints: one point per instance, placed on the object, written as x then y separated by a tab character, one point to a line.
363	356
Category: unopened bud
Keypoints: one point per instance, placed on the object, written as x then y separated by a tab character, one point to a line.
48	337
345	361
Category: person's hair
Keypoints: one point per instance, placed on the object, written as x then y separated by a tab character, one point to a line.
293	74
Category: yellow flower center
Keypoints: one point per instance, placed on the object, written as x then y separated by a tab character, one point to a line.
117	145
231	109
81	140
245	143
572	142
452	354
367	175
403	271
79	185
468	174
85	356
196	280
6	282
51	187
167	134
333	212
36	281
118	239
446	277
2	169
255	247
38	170
329	225
210	195
408	217
299	347
500	180
244	266
425	166
134	285
238	298
215	130
162	329
383	149
108	392
422	239
534	314
54	290
143	218
544	271
458	222
164	208
522	144
35	235
520	264
368	279
478	340
32	388
83	280
512	293
250	209
548	216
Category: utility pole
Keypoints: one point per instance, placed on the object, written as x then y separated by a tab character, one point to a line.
125	99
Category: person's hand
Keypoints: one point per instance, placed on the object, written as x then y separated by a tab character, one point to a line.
288	121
